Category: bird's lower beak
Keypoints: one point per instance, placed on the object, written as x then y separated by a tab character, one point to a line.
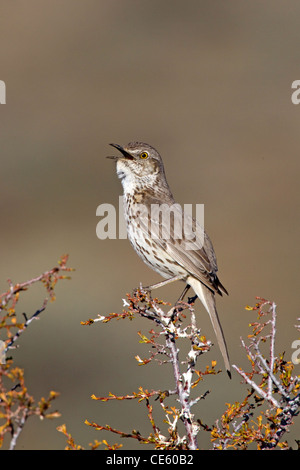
124	153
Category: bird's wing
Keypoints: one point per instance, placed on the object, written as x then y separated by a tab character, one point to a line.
184	240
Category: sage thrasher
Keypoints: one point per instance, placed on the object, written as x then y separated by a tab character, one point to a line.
148	206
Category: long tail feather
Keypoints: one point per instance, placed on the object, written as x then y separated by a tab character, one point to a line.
208	300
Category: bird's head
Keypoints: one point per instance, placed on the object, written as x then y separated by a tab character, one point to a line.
137	160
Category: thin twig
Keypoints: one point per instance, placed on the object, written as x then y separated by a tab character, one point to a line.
259	390
16	433
25	325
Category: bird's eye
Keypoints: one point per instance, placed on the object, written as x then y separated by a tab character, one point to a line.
144	155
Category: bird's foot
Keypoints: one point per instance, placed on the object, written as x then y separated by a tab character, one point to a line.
192	300
142	290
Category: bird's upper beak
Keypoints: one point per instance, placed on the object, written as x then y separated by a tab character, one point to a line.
124	153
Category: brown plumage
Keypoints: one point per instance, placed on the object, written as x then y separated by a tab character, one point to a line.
178	254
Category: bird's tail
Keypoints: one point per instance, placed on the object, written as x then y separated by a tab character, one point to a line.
208	299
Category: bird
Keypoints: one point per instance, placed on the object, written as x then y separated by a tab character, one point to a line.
190	258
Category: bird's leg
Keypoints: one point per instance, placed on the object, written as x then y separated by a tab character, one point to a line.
191	300
178	308
162	283
183	293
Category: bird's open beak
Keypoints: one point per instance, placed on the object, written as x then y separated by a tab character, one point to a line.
124	153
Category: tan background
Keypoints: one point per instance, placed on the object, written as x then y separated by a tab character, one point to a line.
209	85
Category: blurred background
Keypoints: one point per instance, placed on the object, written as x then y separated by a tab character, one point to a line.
209	85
